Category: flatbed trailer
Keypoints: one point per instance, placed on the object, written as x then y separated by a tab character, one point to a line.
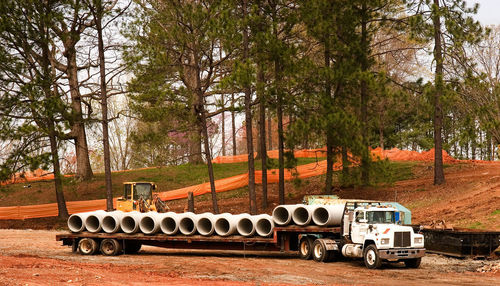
284	239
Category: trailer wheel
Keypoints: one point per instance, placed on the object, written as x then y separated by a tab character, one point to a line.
319	253
413	263
131	246
110	247
371	257
87	246
306	248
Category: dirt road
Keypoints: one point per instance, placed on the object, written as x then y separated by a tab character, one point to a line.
29	257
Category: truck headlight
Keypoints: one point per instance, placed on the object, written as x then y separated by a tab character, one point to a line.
384	241
418	240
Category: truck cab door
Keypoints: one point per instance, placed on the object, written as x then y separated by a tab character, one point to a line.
359	227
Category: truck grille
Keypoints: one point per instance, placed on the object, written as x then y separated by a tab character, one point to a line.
402	239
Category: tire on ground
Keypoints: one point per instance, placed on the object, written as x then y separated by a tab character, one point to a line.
413	263
131	246
87	246
110	247
306	247
371	257
319	253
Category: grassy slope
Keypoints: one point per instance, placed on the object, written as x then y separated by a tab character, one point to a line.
167	178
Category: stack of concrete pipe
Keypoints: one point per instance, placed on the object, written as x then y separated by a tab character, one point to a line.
205	224
171	223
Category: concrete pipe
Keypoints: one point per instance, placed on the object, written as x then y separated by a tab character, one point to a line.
170	223
111	221
130	222
187	223
302	215
264	224
282	215
150	222
245	225
76	222
225	224
206	224
93	222
327	215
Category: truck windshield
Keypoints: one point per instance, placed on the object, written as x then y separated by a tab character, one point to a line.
142	189
380	217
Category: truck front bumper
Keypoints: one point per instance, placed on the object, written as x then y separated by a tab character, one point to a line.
401	253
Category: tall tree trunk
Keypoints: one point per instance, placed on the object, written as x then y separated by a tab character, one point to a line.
83	168
248	122
61	202
345	163
365	157
269	130
208	156
438	111
223	130
195	139
233	124
262	131
329	136
98	14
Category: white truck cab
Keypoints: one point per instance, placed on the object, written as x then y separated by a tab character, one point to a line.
376	236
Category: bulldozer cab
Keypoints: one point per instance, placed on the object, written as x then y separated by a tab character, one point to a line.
137	196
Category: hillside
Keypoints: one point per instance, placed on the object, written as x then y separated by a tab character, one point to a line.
470	198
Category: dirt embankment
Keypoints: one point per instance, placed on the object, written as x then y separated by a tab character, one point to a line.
35	258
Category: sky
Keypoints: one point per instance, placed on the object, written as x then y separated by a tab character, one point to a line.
489	11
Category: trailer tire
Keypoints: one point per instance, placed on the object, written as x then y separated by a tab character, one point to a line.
110	247
319	252
371	257
87	246
413	263
131	246
306	247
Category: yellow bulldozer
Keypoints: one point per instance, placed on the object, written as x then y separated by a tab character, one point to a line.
139	196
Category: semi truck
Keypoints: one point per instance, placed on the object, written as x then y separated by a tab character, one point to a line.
355	229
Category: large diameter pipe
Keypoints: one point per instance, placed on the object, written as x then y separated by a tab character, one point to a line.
226	224
187	223
150	222
302	215
206	224
170	223
93	222
111	221
264	224
76	222
282	215
130	222
327	215
245	225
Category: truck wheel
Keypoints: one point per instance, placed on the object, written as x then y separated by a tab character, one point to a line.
87	246
306	248
131	247
110	247
319	253
413	263
371	257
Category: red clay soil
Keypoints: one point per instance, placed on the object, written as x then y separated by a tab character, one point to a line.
35	258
